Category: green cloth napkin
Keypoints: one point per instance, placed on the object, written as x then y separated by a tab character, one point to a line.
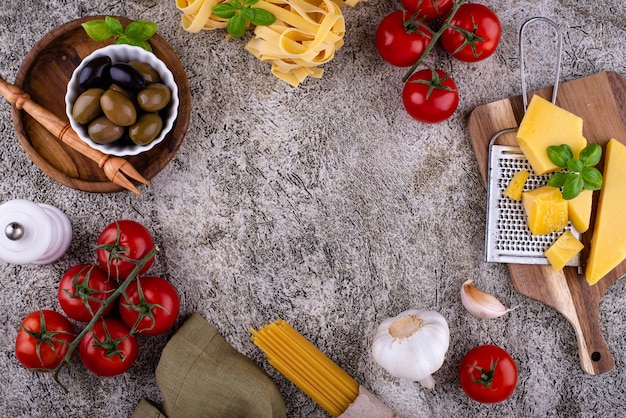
201	375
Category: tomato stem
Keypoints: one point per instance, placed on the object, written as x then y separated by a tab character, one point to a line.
143	309
433	41
486	376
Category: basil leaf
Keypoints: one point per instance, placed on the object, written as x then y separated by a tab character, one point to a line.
97	30
224	10
114	25
141	30
135	42
247	14
237	26
592	178
575	165
557	179
573	186
262	17
590	155
250	2
559	154
237	4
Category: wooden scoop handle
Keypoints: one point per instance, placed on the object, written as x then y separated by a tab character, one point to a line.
112	165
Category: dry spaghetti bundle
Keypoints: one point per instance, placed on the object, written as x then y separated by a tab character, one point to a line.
304	36
315	374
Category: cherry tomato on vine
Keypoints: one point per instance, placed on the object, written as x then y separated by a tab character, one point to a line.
43	339
430	96
429	9
109	348
82	290
150	305
401	39
488	374
474	33
121	245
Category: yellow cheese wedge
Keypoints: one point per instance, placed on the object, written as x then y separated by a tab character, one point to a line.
516	186
608	244
543	125
546	210
563	250
579	210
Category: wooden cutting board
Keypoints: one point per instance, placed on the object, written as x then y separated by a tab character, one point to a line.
600	100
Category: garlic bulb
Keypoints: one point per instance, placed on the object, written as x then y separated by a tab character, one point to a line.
412	345
481	304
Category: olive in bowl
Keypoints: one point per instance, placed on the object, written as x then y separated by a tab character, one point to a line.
122	100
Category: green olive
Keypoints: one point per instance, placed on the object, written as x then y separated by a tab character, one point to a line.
147	128
118	108
122	90
148	73
154	97
103	131
87	106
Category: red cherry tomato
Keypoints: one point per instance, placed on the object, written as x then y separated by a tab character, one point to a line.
42	340
150	305
429	9
401	40
430	96
488	374
474	35
120	245
82	290
108	349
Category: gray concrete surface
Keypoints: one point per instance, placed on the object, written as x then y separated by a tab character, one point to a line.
325	205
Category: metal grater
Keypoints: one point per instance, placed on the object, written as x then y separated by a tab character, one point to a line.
508	238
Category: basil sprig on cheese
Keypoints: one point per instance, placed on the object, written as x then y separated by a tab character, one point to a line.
578	174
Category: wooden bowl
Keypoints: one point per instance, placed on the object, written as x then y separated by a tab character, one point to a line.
45	73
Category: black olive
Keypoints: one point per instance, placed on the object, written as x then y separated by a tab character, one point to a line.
127	77
95	73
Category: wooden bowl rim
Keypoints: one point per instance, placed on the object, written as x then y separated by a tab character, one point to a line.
167	148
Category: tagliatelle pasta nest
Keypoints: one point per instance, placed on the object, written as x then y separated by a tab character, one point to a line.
305	35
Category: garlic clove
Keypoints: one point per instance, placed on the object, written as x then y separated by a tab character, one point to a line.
481	304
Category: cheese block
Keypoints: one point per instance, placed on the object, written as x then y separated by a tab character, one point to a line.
545	124
516	185
563	250
579	210
608	244
546	210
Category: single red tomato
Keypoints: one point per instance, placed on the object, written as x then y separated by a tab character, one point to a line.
121	245
109	348
474	33
430	96
83	289
488	374
43	340
429	9
150	305
401	39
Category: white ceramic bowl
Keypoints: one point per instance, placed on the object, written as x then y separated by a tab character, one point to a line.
124	53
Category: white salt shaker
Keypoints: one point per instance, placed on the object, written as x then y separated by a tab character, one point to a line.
32	233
